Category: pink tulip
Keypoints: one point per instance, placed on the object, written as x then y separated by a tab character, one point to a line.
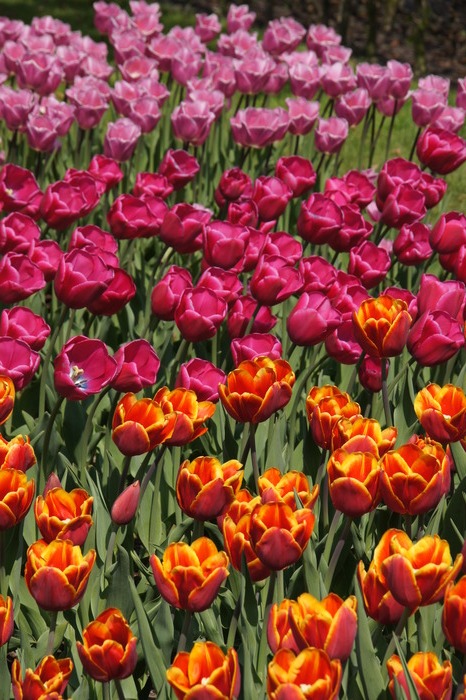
137	366
241	314
312	319
199	314
303	115
179	167
239	17
18	361
225	283
166	294
119	291
274	280
19	278
191	122
441	151
370	263
257	127
121	139
83	367
283	34
434	338
202	377
412	246
330	134
182	227
23	324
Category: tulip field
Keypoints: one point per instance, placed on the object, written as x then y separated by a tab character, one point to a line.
232	364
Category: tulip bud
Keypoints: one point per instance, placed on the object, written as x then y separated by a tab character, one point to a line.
53	482
125	506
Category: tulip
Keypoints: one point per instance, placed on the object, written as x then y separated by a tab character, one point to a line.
224	244
282	35
274	280
255	127
417	573
307	675
83	367
312	319
279	534
7	624
454	614
280	634
449	233
319	219
65	201
81	277
121	139
205	487
64	515
381	326
19	190
239	17
241	315
206	671
138	365
17	232
236	527
291	487
7	397
303	115
440	150
442	412
297	173
23	324
57	573
16	494
125	505
16	453
179	167
431	678
189	576
139	425
412	246
413	481
324	407
189	414
199	314
354	477
330	134
347	428
435	295
108	651
202	377
48	680
253	345
329	624
379	602
256	389
19	278
136	217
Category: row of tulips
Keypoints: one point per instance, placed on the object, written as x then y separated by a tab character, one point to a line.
267	546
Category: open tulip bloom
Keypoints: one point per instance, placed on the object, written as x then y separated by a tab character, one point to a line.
232	359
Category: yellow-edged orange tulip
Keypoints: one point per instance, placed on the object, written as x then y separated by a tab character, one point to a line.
205	672
189	576
325	406
454	614
441	410
354	476
64	515
205	487
309	675
347	428
236	528
433	680
57	573
16	494
275	486
139	425
49	679
256	389
381	326
7	398
16	453
189	414
6	619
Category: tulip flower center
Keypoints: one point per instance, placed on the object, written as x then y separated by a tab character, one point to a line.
75	374
205	681
305	687
9	191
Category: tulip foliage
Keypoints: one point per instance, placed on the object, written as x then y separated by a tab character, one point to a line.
232	364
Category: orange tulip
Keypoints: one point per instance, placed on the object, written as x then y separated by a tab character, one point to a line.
275	486
309	674
189	414
280	534
189	576
49	680
347	428
7	398
16	494
442	412
432	679
236	528
354	477
454	614
256	389
329	624
57	573
279	632
108	650
205	487
6	619
325	406
205	672
381	326
16	453
63	515
413	481
139	425
418	573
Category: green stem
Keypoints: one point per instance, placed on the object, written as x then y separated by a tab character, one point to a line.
124	473
4	673
52	629
110	548
47	435
48	357
106	691
262	655
337	551
386	402
396	635
3	576
119	689
255	464
184	631
87	432
234	622
150	471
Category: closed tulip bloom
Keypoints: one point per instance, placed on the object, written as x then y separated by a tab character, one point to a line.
16	494
324	408
329	624
190	414
435	337
108	651
379	602
440	150
330	134
413	481
16	453
279	534
442	412
304	676
274	280
454	614
64	515
236	528
6	619
346	428
256	389
354	477
189	576
381	326
275	486
433	680
49	679
205	487
57	573
280	634
138	365
312	319
125	505
139	425
417	573
206	671
202	377
7	398
200	314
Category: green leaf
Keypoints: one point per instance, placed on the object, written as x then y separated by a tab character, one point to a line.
152	654
413	694
368	661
